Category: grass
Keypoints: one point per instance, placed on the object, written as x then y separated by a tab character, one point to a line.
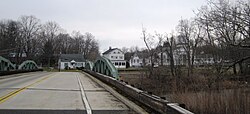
232	101
201	92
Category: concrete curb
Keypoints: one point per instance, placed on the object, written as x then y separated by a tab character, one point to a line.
126	101
156	103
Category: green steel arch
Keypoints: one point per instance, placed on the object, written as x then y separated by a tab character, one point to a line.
89	65
104	66
28	65
6	65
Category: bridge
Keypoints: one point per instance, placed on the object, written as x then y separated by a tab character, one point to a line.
95	90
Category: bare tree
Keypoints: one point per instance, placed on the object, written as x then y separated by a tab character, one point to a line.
125	49
43	42
170	45
30	26
86	45
228	22
64	41
150	43
10	41
185	40
49	33
78	42
160	46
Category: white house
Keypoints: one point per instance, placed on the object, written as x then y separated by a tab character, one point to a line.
181	58
180	55
116	56
136	61
165	58
71	61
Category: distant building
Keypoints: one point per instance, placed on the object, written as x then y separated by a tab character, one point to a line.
22	55
181	58
116	56
136	60
71	61
203	59
180	55
163	56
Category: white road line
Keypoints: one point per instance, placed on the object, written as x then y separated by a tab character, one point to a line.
84	98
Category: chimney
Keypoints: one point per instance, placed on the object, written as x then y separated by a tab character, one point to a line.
110	47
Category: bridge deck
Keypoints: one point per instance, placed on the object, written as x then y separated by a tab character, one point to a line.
59	92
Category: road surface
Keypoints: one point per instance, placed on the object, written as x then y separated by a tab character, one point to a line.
56	93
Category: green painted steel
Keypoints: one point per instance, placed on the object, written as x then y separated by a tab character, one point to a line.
6	65
104	66
28	65
89	65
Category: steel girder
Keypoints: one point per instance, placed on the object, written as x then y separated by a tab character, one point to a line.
6	65
104	66
28	65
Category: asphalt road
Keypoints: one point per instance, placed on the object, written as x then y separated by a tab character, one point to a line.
56	93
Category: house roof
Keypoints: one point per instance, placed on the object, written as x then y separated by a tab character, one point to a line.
70	57
141	55
110	49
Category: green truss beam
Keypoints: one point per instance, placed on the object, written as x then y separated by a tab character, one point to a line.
6	65
28	65
104	66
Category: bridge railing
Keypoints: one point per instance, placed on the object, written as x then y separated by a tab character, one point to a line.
152	101
104	66
7	68
89	65
104	70
28	65
6	65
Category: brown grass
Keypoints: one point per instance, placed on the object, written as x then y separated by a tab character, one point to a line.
233	101
201	92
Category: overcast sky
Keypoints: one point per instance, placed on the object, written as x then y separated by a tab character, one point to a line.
116	23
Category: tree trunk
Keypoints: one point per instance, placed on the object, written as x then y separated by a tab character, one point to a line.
241	68
234	69
161	57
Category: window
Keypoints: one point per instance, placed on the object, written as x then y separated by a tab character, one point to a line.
79	64
116	57
137	60
121	57
123	64
111	56
66	64
116	63
134	60
114	52
120	63
118	52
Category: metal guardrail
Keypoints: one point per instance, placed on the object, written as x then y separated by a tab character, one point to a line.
154	102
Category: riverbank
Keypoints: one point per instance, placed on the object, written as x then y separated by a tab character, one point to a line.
201	92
